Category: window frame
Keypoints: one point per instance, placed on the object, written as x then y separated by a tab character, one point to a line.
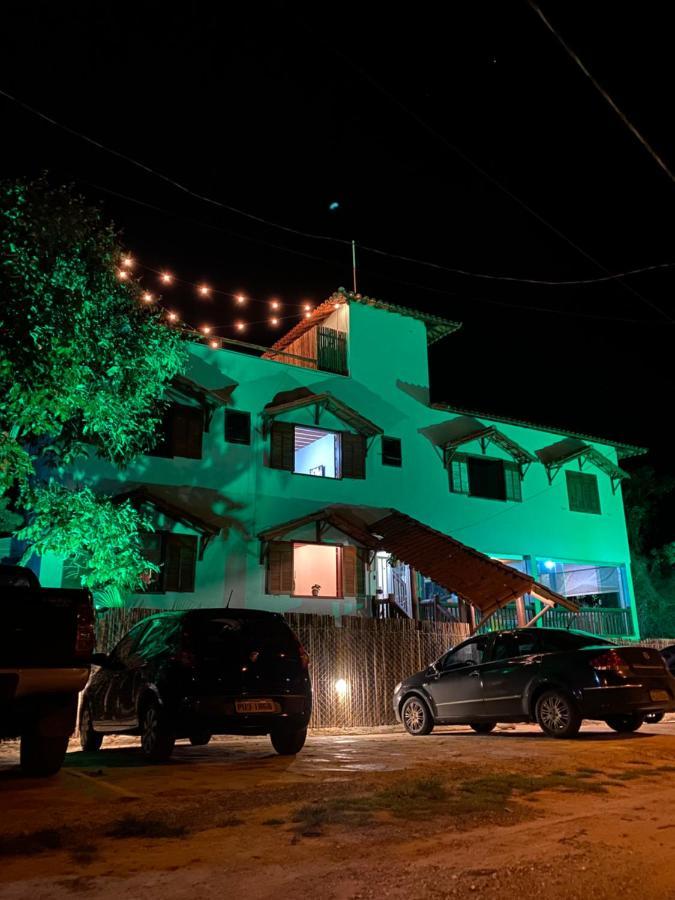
164	555
231	414
397	458
511	473
348	457
588	478
349	554
165	448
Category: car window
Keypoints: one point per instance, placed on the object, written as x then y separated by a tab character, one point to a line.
472	651
552	640
527	643
125	650
505	647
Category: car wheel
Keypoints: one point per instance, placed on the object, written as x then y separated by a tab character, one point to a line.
625	724
41	755
483	727
653	718
288	741
556	715
200	740
90	740
157	735
416	717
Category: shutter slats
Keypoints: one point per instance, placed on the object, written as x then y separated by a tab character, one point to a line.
349	577
180	563
353	453
282	446
280	567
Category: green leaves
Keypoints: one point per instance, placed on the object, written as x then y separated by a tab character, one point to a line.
83	366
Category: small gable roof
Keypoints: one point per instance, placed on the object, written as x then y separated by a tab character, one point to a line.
287	401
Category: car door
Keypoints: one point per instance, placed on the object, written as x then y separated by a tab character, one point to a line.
133	672
456	688
513	661
120	675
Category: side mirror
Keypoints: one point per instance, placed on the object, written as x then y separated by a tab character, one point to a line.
102	660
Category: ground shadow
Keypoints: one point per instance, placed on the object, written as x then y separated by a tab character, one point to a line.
534	736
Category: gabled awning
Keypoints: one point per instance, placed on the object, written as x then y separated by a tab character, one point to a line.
189	506
491	435
555	456
210	399
288	401
481	581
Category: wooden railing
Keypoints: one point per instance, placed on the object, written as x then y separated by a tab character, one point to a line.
610	622
387	608
331	346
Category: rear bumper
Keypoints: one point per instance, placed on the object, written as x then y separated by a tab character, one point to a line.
650	695
30	681
218	715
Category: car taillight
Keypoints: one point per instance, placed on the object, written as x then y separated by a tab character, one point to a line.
85	636
611	661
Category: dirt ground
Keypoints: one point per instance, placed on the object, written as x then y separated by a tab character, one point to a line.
355	815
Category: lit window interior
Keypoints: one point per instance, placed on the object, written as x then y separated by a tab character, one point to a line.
315	570
590	585
316	452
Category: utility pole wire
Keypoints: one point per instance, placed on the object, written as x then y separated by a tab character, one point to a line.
599	88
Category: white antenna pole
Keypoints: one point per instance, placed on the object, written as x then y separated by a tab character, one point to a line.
354	264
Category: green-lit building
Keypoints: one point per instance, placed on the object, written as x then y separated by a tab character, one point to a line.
275	469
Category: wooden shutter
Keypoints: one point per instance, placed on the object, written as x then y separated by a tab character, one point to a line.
237	427
162	445
458	474
349	578
181	563
353	455
282	446
187	429
280	567
361	556
582	492
512	481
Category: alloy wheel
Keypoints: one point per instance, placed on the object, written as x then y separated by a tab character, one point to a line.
554	713
414	716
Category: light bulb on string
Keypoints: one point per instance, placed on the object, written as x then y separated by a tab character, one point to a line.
128	262
167	277
275	304
240	326
206	329
308	315
274	321
240	298
173	317
122	275
308	307
204	290
147	296
214	344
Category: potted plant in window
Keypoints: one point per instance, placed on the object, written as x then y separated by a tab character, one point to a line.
315	590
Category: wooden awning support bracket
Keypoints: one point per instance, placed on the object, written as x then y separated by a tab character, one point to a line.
204	542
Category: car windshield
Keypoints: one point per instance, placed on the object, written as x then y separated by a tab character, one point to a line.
229	632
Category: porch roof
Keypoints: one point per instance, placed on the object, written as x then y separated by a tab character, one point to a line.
286	401
484	582
193	510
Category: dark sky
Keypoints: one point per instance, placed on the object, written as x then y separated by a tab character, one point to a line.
281	109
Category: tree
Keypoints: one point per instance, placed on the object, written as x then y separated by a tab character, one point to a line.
83	368
650	503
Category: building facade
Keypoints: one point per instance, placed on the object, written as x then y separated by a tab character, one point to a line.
264	456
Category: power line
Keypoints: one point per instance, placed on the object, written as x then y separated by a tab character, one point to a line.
599	88
464	272
474	165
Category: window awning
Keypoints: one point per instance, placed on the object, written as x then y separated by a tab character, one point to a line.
484	582
556	455
287	401
182	388
491	435
187	505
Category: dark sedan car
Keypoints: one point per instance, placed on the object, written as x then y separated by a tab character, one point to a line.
197	673
551	676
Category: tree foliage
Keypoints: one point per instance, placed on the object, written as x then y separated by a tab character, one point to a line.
83	368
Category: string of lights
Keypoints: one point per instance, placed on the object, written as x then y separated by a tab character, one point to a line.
129	265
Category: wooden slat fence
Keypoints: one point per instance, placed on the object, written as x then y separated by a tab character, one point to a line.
369	655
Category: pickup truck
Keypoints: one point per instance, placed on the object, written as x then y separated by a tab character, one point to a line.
46	643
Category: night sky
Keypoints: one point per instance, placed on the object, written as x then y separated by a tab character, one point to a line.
283	109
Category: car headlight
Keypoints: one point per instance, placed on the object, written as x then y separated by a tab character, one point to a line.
398	687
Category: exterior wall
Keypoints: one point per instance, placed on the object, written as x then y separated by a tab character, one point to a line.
388	383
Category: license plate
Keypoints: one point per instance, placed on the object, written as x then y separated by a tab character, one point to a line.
255	706
659	695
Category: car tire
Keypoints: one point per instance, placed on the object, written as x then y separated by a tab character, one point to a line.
557	715
157	735
653	718
41	755
90	740
483	727
416	717
288	741
625	724
201	739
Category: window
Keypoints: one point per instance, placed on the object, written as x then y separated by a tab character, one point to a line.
302	569
237	427
176	556
511	646
469	653
315	451
391	451
479	476
582	492
181	432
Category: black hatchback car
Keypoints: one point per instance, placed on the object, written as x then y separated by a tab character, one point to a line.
197	673
551	676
